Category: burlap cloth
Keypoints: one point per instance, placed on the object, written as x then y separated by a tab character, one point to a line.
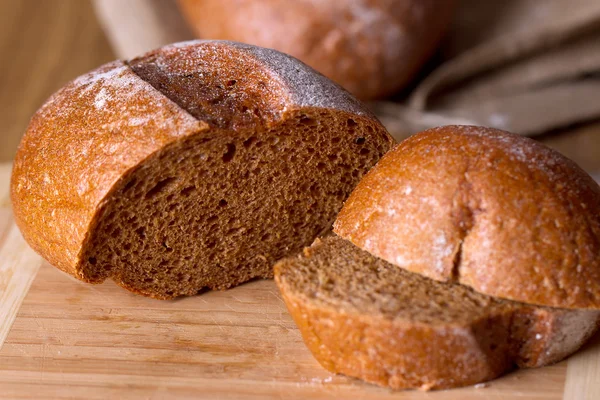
527	66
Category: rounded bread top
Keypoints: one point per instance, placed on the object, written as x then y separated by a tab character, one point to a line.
102	125
495	211
280	79
372	48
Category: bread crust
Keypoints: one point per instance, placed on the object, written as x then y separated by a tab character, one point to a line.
408	356
393	355
401	352
78	146
497	212
372	48
83	142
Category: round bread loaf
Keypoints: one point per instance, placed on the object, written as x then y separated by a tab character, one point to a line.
196	165
371	47
495	211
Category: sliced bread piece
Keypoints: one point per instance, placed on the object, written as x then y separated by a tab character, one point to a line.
364	317
196	165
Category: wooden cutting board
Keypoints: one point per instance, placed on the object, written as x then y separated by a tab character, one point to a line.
60	338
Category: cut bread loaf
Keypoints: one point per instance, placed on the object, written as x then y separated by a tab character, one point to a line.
372	48
495	211
364	317
463	252
197	165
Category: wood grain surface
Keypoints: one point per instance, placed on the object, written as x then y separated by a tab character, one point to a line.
583	373
74	340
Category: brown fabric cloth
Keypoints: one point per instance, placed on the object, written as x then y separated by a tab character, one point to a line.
527	66
134	27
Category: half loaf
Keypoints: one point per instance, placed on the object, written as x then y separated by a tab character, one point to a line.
495	211
197	165
364	317
474	250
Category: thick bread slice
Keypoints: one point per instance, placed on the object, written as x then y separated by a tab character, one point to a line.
197	165
495	211
363	317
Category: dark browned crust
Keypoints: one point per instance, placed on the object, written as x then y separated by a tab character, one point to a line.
98	133
495	211
371	48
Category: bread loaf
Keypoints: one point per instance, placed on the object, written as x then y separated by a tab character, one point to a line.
372	48
463	252
194	166
364	317
498	212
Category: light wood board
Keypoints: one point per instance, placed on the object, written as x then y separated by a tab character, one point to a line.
64	339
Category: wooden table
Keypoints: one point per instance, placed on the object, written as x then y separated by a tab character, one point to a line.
63	339
60	338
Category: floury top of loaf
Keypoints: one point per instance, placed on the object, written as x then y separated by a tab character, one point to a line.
495	211
372	48
195	165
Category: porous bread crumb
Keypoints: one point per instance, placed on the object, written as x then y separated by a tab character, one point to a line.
367	318
193	166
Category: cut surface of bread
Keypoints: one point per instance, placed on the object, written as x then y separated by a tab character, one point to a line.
194	166
364	317
492	210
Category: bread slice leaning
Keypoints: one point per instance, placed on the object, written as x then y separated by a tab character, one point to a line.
366	318
197	165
